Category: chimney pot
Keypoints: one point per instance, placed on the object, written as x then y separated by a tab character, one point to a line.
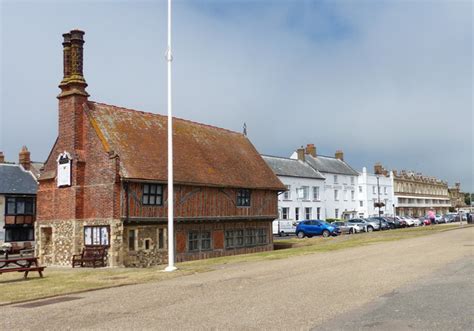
24	158
300	152
311	150
339	155
378	169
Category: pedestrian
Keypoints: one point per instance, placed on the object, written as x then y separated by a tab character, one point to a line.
432	217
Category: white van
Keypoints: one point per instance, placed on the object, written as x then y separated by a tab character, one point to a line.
284	227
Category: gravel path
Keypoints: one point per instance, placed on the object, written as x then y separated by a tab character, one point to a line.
296	293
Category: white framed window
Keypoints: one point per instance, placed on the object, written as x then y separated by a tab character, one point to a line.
352	180
287	194
335	179
352	195
345	195
336	195
385	190
318	213
361	203
316	193
297	213
374	189
336	213
360	189
285	211
307	213
305	192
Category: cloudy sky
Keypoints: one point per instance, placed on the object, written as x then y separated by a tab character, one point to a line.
387	81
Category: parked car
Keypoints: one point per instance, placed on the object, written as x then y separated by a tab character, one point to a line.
382	222
284	227
409	221
375	223
367	226
426	221
347	227
311	228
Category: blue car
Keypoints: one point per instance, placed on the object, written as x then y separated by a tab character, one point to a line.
315	228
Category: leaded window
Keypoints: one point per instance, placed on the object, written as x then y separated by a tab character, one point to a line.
152	194
243	198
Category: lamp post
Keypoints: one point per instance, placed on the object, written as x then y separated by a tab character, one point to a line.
378	198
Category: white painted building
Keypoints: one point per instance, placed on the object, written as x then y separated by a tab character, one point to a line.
371	191
304	198
340	184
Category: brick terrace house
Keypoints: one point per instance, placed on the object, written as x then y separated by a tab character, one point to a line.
104	183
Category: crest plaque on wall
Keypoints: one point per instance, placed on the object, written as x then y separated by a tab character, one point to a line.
64	169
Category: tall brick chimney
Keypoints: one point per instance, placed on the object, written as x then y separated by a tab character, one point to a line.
2	157
73	96
300	152
311	150
339	155
24	158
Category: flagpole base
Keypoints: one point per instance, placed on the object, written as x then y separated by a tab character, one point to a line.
170	268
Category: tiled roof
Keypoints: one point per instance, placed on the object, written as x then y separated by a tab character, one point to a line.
203	154
15	180
330	165
289	167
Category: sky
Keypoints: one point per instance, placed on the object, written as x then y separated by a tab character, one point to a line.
384	81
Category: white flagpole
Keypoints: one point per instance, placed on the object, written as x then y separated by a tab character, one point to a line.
169	58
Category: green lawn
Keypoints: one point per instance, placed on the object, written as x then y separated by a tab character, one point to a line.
59	281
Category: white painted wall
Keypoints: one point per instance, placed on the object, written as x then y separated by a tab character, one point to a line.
346	200
367	191
292	201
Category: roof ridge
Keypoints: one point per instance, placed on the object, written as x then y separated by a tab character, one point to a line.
280	157
174	117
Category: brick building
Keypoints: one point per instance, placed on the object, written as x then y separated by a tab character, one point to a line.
104	183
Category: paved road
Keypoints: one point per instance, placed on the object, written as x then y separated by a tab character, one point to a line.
300	293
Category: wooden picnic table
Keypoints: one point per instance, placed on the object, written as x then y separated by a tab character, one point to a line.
21	264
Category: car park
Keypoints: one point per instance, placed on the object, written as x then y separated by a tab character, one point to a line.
310	228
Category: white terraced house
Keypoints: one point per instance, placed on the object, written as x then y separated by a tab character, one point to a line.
304	196
339	192
371	189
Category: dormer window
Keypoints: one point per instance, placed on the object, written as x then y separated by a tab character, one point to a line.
152	194
243	198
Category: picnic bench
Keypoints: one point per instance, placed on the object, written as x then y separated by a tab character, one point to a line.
21	264
90	256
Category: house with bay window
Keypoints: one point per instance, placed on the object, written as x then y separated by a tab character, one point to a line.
340	181
303	198
105	183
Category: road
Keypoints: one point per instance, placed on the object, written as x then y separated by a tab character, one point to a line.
306	292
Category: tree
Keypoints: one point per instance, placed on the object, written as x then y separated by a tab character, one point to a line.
467	198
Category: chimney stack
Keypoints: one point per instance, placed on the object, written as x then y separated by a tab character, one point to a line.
339	155
311	150
73	54
24	158
378	169
2	157
300	152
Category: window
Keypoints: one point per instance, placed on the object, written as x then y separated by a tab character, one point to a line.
336	195
297	213
374	189
234	238
131	240
96	236
229	239
287	194
335	179
261	236
385	190
147	244
239	238
20	206
352	195
318	213
152	194
243	198
360	189
345	195
336	213
305	190
199	241
19	234
307	213
315	192
161	238
284	213
193	241
250	238
352	180
361	203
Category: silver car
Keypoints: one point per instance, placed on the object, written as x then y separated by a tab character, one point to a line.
347	227
366	225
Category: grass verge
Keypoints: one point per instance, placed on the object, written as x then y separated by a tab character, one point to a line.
59	281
